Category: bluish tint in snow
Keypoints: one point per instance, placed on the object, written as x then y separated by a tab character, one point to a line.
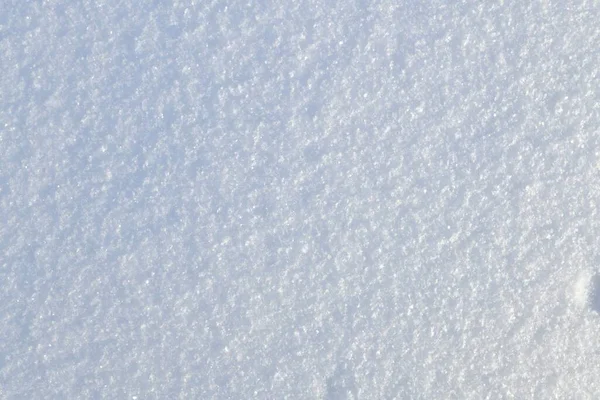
299	199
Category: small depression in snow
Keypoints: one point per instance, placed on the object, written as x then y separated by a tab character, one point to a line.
594	293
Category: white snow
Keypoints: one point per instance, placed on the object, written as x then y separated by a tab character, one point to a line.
299	199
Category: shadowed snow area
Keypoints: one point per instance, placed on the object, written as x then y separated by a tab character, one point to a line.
299	199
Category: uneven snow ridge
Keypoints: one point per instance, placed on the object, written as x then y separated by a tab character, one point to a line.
299	199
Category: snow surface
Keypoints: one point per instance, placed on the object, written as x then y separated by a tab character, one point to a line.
308	199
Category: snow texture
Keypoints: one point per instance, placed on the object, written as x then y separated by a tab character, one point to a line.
308	199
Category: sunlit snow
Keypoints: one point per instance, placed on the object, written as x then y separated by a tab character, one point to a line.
299	199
